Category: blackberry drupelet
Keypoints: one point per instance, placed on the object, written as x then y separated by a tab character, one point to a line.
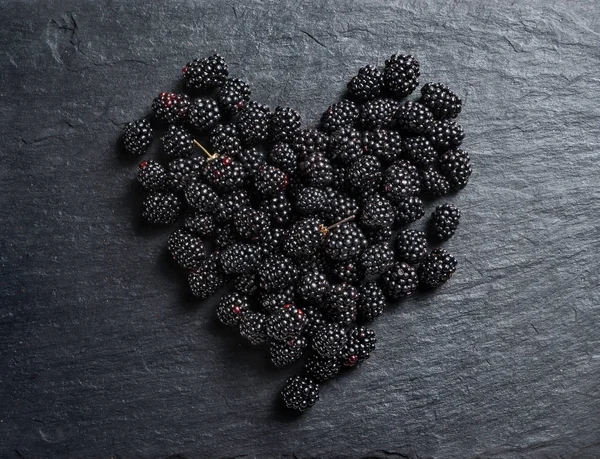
161	208
232	307
202	197
311	201
384	144
401	75
313	287
200	224
277	272
434	184
251	160
283	157
170	107
456	167
224	174
273	302
246	284
287	352
399	281
224	140
207	278
240	258
401	180
436	268
376	259
186	249
183	171
371	301
321	369
316	171
151	175
409	209
304	239
204	114
419	151
444	221
300	393
137	137
285	124
308	142
230	204
233	96
366	85
342	114
250	224
345	145
224	236
411	246
446	134
346	271
329	339
341	297
344	242
269	180
378	114
254	123
414	118
377	212
253	328
177	142
361	342
206	73
287	322
442	102
364	176
279	209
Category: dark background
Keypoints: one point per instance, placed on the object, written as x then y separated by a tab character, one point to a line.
101	351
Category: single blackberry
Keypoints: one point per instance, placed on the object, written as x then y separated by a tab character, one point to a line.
339	178
224	140
321	369
277	272
283	157
308	142
286	323
411	246
224	236
186	249
304	239
275	301
272	241
254	123
313	287
399	281
401	75
177	142
444	221
161	208
434	184
401	180
206	73
287	352
151	175
251	159
278	208
316	171
311	201
329	340
170	107
366	85
269	180
414	118
285	124
338	207
456	167
314	320
409	209
250	224
230	204
232	307
384	144
233	95
371	301
201	197
341	297
364	176
436	268
300	393
361	342
344	242
315	262
378	235
137	137
446	134
376	259
343	114
206	279
253	327
345	145
419	151
343	318
200	224
239	258
183	171
442	102
378	114
204	114
346	271
246	284
377	212
224	174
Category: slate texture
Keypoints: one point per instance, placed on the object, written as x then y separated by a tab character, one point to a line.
102	354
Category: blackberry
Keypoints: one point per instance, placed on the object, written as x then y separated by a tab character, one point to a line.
339	178
313	287
177	142
224	236
344	242
239	258
253	328
200	224
338	207
233	95
343	114
364	176
151	175
419	151
186	249
272	241
170	107
316	171
401	75
376	259
361	342
444	221
251	159
273	302
401	180
399	281
411	246
232	307
206	73
371	301
202	197
378	235
161	208
304	239
409	209
250	224
442	102
277	272
314	321
279	209
456	167
345	145
377	212
206	279
446	134
311	201
286	323
378	114
224	140
287	352
269	180
329	340
366	85
225	174
436	268
434	184
283	157
285	124
384	144
183	171
246	284
343	318
308	142
346	271
253	123
414	118
300	393
204	114
137	137
321	369
341	297
230	204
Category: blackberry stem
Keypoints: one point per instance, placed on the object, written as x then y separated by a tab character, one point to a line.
325	229
210	155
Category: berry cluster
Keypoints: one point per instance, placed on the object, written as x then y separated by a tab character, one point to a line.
307	228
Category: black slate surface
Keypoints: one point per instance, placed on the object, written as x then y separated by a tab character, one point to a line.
103	355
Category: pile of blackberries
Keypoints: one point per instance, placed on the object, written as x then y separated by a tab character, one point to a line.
306	228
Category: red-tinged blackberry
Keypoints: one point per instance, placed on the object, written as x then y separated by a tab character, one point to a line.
204	114
151	175
366	85
377	212
225	174
274	301
251	159
233	95
287	322
232	307
161	208
313	287
342	114
224	140
285	124
345	145
308	142
409	209
419	151
401	75
371	301
246	284
341	297
321	369
338	207
206	73
344	242
401	180
411	246
444	222
283	157
456	167
361	342
399	281
300	393
201	197
376	259
382	143
343	318
446	134
414	118
278	208
230	204
224	236
436	268
253	123
316	171
304	239
186	249
314	321
277	272
177	142
269	180
329	340
253	327
378	235
378	114
206	279
240	258
442	102
364	176
183	171
311	201
250	224
285	353
200	224
346	271
434	184
170	107
137	137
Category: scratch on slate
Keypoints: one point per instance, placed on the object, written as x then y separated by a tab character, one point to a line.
314	39
19	454
511	45
234	11
536	330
